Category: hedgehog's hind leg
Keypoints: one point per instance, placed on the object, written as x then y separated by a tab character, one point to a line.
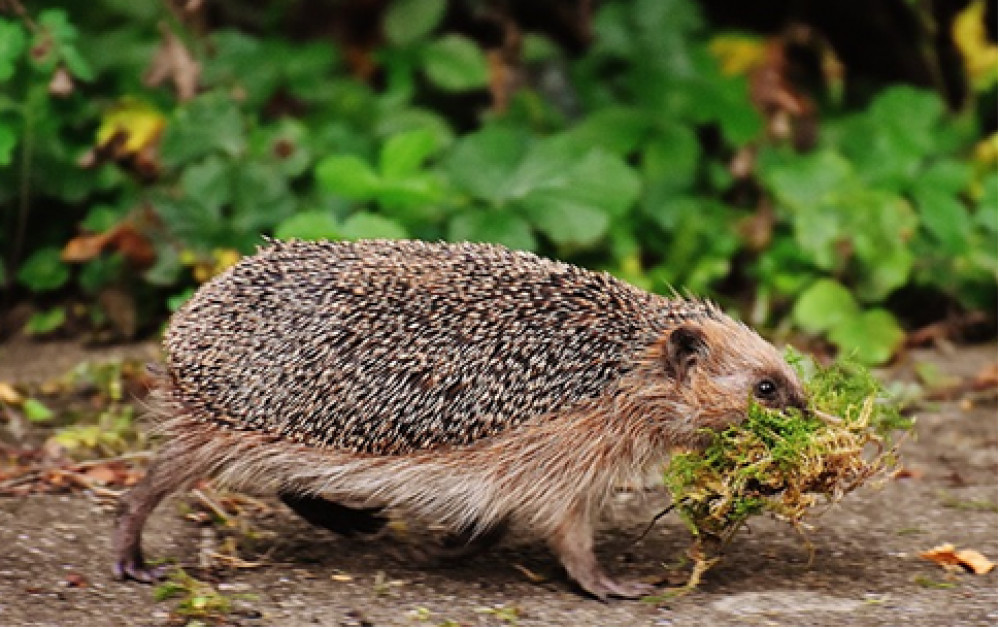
174	467
333	515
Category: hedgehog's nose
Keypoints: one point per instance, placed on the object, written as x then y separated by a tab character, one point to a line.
797	401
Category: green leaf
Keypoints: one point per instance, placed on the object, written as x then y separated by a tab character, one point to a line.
566	224
208	181
944	217
824	305
409	21
404	153
483	162
44	270
986	209
572	202
455	64
97	273
498	226
36	411
8	141
46	321
871	337
61	43
885	273
174	302
808	180
537	48
208	123
397	121
364	225
672	157
310	225
906	107
615	129
347	176
409	192
12	42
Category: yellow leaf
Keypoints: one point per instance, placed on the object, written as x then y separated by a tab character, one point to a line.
737	54
10	395
140	123
979	53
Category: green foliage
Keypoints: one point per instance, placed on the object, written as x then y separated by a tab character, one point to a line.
782	462
623	157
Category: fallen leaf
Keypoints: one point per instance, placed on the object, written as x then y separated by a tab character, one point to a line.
948	557
986	378
104	473
907	472
175	62
975	561
123	237
532	576
9	395
61	84
75	580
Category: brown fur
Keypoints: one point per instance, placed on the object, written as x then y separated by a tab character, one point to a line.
550	473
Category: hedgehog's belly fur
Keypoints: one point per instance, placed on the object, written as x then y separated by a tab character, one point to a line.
532	475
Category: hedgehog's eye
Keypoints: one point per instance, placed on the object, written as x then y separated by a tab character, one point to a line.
766	389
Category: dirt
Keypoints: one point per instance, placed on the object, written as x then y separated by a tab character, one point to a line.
865	568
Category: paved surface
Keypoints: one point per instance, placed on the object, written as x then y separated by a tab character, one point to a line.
55	556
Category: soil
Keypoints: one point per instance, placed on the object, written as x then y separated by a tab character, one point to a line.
865	568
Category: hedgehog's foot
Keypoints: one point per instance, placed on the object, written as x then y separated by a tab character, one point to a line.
135	568
573	542
333	515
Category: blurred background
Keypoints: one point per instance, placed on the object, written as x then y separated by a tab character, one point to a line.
825	170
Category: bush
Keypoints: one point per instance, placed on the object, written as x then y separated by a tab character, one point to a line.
146	153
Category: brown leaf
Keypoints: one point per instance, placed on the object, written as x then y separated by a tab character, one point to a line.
105	474
9	395
61	84
974	561
986	378
136	248
85	247
175	62
947	556
123	237
75	580
907	472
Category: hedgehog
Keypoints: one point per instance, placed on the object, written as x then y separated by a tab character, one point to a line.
469	386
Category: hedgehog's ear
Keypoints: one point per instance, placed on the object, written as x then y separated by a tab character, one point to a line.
685	346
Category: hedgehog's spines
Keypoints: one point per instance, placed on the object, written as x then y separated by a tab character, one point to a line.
462	342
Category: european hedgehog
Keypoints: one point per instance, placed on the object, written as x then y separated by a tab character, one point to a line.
467	385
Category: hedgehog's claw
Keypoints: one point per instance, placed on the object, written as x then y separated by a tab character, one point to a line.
134	568
602	587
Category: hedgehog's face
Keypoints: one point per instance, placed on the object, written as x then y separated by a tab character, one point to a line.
719	366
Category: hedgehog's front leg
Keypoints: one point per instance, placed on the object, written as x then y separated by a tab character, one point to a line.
573	542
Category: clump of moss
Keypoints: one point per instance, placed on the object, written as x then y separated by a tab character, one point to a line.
783	463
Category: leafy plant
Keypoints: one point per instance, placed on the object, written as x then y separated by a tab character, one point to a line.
646	154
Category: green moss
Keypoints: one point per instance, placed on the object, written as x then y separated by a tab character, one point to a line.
783	463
